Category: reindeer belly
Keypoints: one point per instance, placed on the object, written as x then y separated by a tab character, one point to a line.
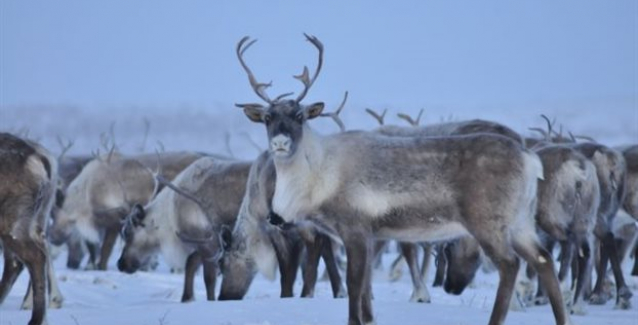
427	231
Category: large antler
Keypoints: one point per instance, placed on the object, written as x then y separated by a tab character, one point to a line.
304	77
259	88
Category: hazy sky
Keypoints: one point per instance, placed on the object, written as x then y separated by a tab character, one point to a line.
468	54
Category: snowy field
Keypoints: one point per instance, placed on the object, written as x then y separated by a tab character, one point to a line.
111	297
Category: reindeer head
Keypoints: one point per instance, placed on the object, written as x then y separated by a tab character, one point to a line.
139	246
284	119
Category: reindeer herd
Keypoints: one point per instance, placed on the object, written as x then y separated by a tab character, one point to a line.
472	191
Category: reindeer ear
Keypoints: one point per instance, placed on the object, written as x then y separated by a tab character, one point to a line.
255	112
314	110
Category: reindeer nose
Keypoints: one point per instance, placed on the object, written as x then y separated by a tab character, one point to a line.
280	143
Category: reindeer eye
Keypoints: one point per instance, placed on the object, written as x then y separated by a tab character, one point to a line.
299	117
267	118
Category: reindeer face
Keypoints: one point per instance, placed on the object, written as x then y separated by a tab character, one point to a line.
284	119
139	245
463	256
284	123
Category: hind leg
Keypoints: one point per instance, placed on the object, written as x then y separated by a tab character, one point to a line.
542	261
107	248
507	264
12	269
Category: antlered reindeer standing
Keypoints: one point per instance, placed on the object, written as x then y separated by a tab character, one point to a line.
364	185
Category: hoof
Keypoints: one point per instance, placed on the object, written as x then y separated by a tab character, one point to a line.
56	302
395	274
578	309
624	299
420	297
541	301
599	299
342	293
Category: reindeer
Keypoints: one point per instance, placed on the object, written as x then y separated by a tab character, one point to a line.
69	167
188	228
104	192
408	250
258	246
611	172
363	185
568	200
27	193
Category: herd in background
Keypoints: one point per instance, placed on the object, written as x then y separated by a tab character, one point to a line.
468	192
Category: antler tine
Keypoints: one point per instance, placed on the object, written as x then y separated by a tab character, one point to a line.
304	76
282	96
65	147
410	120
550	126
380	118
335	115
572	137
584	137
258	87
539	130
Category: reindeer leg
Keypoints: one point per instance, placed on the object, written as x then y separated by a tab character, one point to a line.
598	295
542	261
313	251
107	248
192	264
358	251
210	277
623	293
34	257
425	266
76	252
288	251
420	292
338	290
12	269
55	296
93	255
541	296
634	271
396	268
584	266
441	266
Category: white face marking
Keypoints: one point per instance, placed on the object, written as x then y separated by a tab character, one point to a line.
280	145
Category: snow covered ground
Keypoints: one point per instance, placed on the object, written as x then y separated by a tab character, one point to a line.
111	297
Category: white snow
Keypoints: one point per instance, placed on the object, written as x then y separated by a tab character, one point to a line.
152	298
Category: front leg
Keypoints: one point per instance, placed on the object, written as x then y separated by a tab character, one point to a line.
192	264
358	251
107	248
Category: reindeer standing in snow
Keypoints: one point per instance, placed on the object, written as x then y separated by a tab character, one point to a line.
363	185
28	180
